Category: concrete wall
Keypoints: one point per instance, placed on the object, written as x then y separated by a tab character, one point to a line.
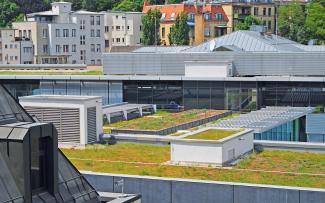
167	190
217	152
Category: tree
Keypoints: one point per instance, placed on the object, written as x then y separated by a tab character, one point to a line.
9	10
104	5
248	21
30	6
150	27
129	5
291	23
180	30
315	21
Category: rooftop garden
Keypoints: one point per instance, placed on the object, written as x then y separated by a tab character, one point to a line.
163	119
268	167
212	134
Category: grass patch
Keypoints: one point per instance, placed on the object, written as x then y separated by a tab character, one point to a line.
50	73
122	152
148	160
163	119
213	134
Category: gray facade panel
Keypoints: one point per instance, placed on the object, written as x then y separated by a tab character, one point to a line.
245	63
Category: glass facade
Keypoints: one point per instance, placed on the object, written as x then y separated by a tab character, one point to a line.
290	131
233	95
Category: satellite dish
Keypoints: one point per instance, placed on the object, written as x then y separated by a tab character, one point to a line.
212	45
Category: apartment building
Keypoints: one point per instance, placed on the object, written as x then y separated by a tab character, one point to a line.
14	50
237	11
206	21
122	29
61	35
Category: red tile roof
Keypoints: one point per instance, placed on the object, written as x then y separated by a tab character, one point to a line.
170	11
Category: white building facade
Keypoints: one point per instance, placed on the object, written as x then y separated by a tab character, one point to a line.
14	50
122	29
63	36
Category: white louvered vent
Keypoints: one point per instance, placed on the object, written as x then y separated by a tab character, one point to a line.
92	129
65	120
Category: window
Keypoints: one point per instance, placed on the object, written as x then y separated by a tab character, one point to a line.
116	17
45	48
97	20
16	46
65	33
112	27
118	28
106	43
113	39
98	48
83	55
92	33
74	48
118	40
82	24
255	11
264	11
73	34
38	163
6	46
11	46
190	16
219	16
106	28
99	61
128	27
82	39
45	33
97	33
206	32
270	11
207	16
16	58
163	32
92	62
92	20
163	16
172	16
11	58
92	48
57	32
123	39
65	48
27	49
57	49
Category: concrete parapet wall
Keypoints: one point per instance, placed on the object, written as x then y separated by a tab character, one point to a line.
171	190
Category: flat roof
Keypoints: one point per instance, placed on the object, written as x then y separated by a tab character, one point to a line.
265	118
41	98
161	77
123	107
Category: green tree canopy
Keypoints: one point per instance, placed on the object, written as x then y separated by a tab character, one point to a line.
129	5
150	27
9	10
180	30
248	21
291	23
315	21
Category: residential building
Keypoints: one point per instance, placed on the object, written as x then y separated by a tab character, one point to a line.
206	21
64	36
14	50
237	11
122	29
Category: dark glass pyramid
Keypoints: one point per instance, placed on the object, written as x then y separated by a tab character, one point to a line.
30	158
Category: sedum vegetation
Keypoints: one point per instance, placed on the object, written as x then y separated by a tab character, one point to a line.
268	167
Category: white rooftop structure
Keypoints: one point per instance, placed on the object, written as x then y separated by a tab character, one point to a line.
266	118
